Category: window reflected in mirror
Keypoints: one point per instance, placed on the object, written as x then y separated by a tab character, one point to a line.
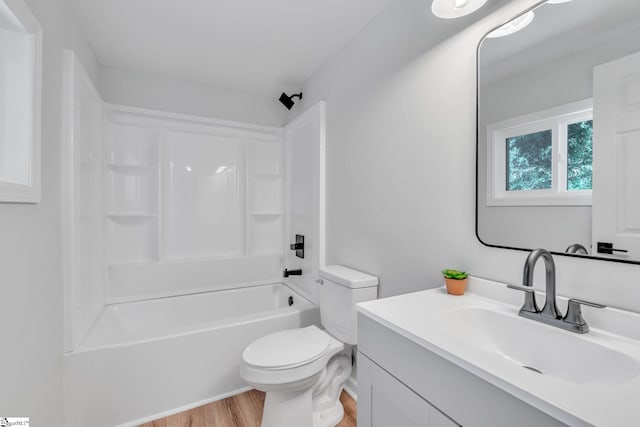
552	93
529	161
580	155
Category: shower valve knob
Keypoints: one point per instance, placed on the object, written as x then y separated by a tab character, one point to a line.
298	246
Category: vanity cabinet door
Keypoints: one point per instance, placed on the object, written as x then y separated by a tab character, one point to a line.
384	401
438	419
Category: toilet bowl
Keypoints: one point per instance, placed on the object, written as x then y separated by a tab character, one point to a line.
303	371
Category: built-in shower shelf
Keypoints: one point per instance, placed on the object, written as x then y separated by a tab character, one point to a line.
147	205
266	214
131	168
266	175
130	216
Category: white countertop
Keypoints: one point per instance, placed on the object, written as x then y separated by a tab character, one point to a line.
600	399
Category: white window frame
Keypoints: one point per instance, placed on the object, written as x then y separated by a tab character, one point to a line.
20	18
555	119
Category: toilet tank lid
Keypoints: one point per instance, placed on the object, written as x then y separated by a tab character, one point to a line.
348	277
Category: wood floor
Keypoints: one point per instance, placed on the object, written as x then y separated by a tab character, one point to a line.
242	410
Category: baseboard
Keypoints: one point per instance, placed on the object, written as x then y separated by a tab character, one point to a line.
184	408
351	387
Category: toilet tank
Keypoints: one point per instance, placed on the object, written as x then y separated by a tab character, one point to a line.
341	288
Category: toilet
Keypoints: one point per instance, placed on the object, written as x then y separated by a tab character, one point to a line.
303	371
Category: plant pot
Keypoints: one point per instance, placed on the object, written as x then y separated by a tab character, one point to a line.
456	286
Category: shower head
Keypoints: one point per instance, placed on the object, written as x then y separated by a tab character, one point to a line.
288	101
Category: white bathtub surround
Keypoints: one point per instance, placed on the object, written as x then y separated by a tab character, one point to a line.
138	281
143	360
304	370
304	147
82	203
181	187
170	204
166	204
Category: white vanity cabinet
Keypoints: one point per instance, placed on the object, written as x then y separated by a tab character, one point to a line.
401	383
384	401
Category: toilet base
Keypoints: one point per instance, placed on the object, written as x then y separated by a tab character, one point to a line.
295	410
287	409
307	395
316	405
329	417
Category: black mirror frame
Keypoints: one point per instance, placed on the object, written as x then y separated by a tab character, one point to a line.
579	256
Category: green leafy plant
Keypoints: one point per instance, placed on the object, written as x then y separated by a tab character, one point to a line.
454	274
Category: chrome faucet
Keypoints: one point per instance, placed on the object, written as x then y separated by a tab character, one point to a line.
550	308
573	320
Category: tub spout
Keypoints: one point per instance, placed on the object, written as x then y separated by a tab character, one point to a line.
288	273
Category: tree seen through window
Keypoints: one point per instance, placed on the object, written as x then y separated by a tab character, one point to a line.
529	161
580	155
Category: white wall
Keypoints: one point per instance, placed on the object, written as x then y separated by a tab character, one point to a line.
401	161
162	93
31	329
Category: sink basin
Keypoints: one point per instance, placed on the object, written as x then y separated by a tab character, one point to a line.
542	349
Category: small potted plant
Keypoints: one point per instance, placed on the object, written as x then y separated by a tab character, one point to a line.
456	281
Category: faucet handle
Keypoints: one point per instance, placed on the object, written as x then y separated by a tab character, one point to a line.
530	305
526	289
580	302
574	313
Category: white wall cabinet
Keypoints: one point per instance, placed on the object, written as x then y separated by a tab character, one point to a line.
384	401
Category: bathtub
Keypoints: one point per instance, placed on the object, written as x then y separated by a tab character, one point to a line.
147	359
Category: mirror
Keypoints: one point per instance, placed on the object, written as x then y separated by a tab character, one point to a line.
558	144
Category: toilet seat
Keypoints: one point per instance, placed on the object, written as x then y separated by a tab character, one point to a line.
287	349
284	371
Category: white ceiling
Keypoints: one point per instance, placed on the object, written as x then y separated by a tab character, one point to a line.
259	46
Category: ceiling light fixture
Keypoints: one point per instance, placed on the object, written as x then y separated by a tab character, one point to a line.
449	9
512	26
